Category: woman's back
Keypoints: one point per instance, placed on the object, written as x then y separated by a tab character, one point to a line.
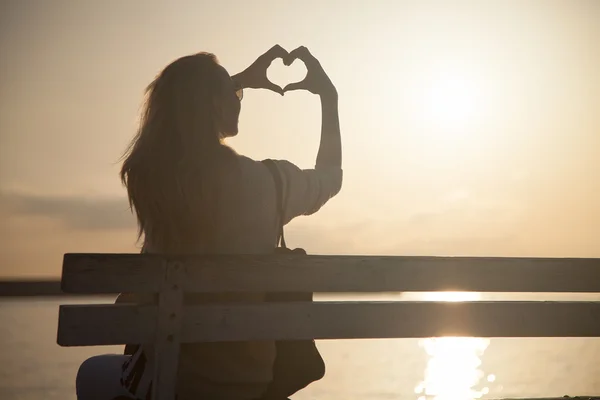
248	224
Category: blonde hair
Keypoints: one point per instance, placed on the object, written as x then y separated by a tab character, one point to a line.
176	165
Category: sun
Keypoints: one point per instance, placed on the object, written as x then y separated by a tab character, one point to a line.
449	101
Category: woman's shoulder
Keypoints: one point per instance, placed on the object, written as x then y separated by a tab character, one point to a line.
250	166
305	190
259	166
255	174
287	169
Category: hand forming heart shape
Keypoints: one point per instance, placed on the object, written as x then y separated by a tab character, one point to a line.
282	74
316	80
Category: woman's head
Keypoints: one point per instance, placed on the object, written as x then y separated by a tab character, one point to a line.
176	163
196	90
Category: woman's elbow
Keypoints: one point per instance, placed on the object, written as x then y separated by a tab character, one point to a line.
337	183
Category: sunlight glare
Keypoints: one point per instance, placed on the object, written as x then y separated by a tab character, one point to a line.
451	296
453	371
450	101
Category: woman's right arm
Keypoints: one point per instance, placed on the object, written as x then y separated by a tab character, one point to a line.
330	148
306	191
317	82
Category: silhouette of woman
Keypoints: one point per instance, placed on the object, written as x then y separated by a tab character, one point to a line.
193	194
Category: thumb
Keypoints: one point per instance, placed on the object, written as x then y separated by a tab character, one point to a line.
273	87
294	86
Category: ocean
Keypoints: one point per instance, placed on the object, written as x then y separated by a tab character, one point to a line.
34	367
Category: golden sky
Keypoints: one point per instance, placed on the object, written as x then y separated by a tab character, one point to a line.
469	127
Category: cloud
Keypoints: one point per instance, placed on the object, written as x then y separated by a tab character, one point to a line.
462	209
74	212
457	222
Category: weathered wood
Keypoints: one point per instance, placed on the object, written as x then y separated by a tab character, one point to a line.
338	320
109	273
355	320
168	337
105	324
113	273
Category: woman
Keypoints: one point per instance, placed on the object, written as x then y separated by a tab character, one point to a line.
193	194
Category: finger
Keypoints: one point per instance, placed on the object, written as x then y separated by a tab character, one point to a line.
301	53
293	55
275	52
279	51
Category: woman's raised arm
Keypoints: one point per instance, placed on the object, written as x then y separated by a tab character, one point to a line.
317	82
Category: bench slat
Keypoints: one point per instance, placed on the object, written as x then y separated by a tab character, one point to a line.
102	324
116	273
338	320
112	273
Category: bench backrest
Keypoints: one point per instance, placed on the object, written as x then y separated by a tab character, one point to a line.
167	325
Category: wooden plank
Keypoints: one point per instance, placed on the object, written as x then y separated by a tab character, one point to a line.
105	324
382	274
168	336
364	320
337	320
110	273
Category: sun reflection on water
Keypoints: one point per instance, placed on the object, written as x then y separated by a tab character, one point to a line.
453	368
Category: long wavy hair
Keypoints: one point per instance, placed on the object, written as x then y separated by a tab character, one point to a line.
177	168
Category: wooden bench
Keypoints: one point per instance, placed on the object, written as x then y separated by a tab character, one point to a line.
170	323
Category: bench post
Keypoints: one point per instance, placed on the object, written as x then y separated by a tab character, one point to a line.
168	332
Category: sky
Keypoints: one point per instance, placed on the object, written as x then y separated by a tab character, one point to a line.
468	127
